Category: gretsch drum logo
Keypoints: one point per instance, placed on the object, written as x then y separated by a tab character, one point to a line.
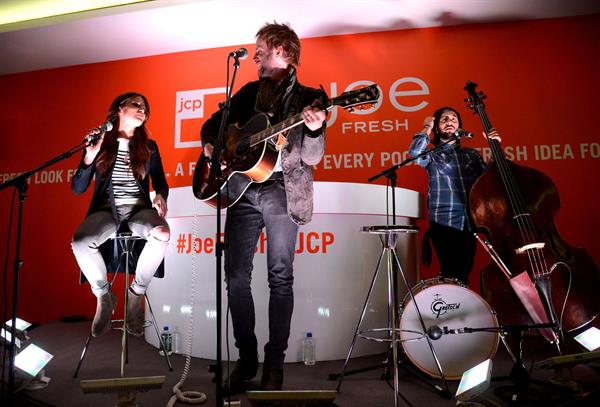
440	307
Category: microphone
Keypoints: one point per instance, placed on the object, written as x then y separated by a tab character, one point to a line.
93	138
435	332
241	54
106	126
460	133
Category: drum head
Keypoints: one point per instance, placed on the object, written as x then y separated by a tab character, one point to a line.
447	304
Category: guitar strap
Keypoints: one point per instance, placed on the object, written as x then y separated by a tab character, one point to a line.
292	107
297	97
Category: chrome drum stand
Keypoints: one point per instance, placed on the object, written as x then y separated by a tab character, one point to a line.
388	235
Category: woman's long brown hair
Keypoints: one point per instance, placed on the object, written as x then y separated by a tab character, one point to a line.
139	154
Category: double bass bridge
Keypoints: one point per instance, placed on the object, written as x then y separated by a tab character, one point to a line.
530	246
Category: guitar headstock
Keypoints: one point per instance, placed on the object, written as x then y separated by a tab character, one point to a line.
362	97
475	98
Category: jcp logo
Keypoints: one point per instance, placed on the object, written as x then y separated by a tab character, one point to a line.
189	104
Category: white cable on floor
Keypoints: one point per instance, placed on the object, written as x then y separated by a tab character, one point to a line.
189	396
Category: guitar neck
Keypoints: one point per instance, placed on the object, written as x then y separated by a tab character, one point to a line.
279	128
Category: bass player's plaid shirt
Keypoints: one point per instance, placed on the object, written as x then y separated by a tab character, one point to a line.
452	172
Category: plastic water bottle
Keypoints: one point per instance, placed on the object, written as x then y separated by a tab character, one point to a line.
308	350
176	341
167	340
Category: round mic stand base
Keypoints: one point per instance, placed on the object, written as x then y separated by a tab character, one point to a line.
517	396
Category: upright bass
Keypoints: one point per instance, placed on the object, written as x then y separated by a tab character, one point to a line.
514	206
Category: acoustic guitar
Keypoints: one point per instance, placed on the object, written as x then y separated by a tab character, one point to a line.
250	154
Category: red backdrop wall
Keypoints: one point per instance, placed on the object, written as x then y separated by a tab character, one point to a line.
541	78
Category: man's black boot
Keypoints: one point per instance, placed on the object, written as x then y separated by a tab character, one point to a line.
243	371
272	379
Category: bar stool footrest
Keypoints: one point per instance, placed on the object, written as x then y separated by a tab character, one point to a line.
366	334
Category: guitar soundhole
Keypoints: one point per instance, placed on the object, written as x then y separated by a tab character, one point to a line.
243	146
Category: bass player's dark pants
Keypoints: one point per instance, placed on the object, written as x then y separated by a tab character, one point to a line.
455	250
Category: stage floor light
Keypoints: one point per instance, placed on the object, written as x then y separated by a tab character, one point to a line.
474	381
7	337
294	398
568	360
20	324
125	387
122	384
32	359
589	339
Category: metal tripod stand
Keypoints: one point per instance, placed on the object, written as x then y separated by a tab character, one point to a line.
388	235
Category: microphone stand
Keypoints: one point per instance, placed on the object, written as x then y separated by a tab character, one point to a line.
20	183
518	373
220	143
390	172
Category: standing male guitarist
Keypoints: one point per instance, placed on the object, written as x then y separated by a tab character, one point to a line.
280	204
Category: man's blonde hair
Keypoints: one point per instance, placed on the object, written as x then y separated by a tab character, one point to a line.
276	35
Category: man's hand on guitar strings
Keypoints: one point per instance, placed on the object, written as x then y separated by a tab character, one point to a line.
313	117
208	152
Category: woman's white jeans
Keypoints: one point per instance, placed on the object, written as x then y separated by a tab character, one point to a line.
98	228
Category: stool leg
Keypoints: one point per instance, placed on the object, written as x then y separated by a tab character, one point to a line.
393	314
126	305
362	316
160	341
87	342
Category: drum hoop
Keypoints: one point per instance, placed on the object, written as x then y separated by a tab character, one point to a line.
425	370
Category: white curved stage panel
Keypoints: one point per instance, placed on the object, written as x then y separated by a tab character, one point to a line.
334	265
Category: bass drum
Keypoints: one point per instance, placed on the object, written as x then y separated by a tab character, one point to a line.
446	303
